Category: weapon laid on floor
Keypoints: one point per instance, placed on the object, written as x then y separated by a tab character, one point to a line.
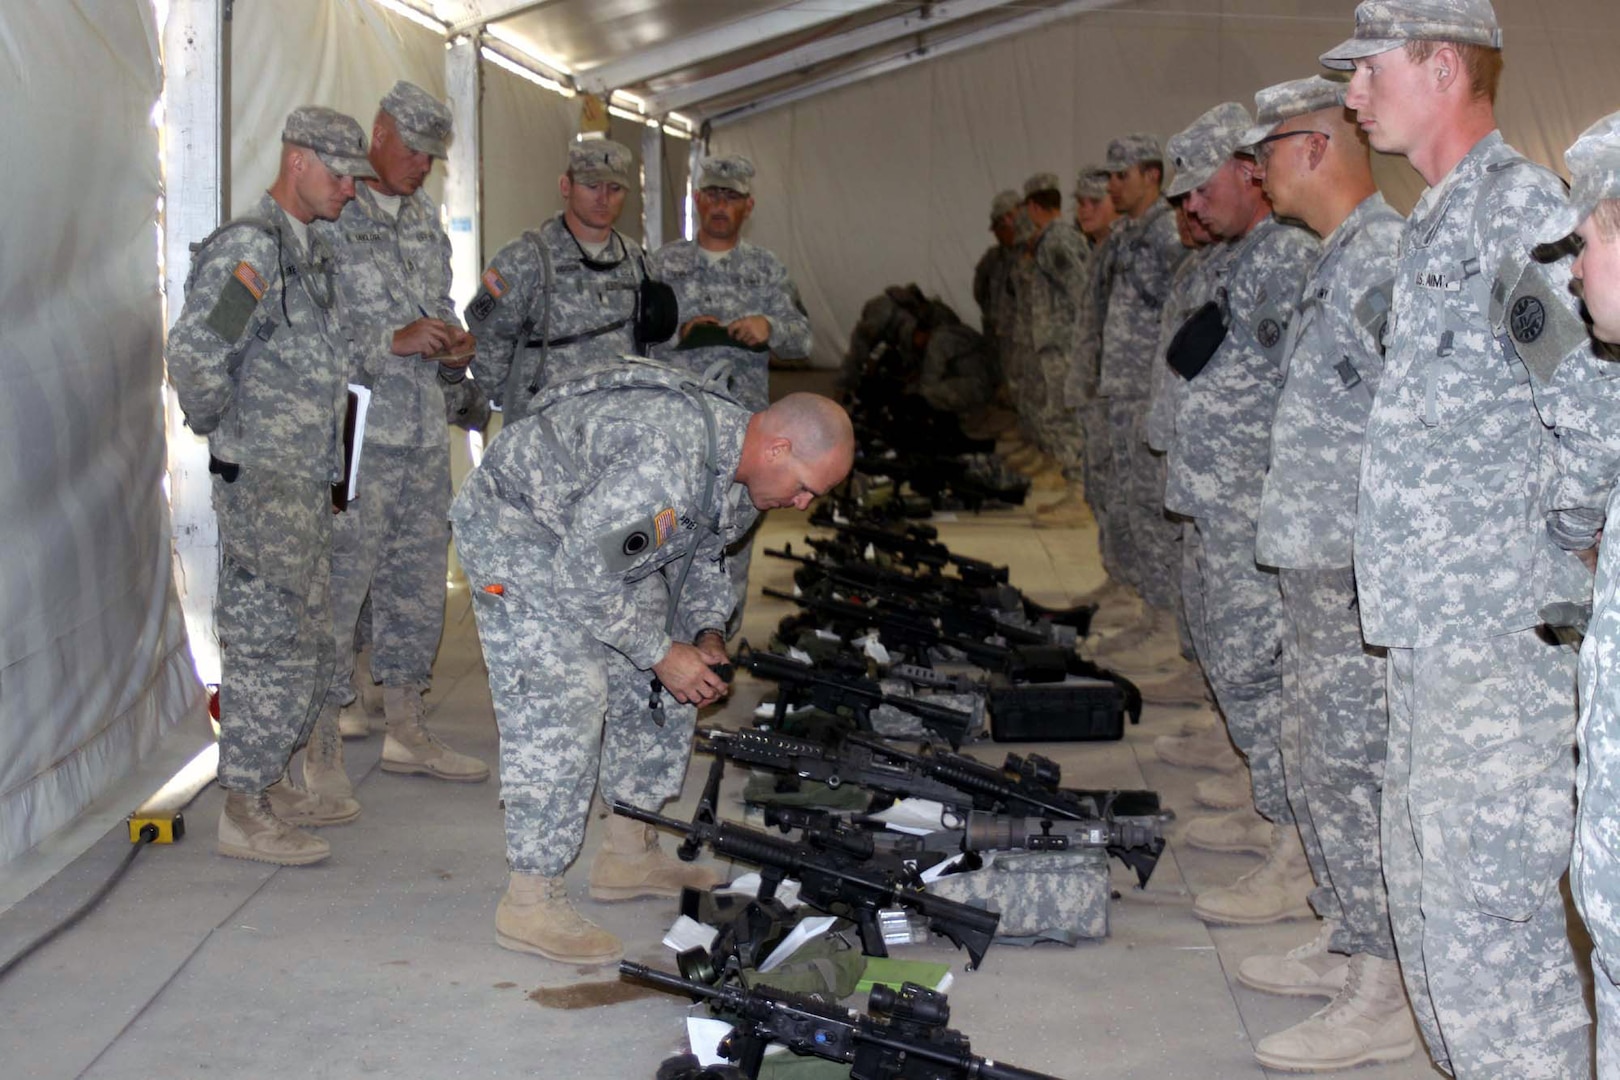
904	1038
846	694
845	553
916	546
960	782
876	903
957	609
1093	704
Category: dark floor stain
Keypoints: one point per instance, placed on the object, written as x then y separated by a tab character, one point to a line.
442	875
396	963
503	986
590	995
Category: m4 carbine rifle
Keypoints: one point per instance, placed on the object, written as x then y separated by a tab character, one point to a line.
866	898
914	634
1024	790
846	694
904	1038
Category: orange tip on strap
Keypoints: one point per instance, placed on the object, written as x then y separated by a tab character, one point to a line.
496	589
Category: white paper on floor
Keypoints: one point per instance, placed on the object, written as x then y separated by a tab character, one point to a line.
918	817
705	1034
688	933
748	885
808	928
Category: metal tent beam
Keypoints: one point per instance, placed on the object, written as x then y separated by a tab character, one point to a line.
463	81
480	13
1007	28
820	52
196	141
644	64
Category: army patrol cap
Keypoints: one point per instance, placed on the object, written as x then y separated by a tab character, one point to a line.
1594	171
732	172
1041	181
1383	25
1003	204
338	140
1133	149
596	160
1206	145
422	119
1092	183
1287	100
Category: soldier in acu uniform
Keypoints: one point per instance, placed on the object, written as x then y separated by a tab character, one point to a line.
1593	215
259	365
992	276
1138	265
393	266
1057	276
1490	450
1317	170
591	534
744	298
1216	467
563	298
1094	218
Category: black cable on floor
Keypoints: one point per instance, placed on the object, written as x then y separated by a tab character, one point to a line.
147	834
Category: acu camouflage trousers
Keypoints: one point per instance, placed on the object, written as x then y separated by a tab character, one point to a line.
1594	871
1334	745
1154	537
1478	818
273	618
393	544
573	717
1240	648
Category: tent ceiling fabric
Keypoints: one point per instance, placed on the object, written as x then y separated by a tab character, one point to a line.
712	44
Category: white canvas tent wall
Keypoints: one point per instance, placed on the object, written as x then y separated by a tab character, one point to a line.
880	131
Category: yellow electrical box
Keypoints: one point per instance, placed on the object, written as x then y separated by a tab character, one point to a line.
170	825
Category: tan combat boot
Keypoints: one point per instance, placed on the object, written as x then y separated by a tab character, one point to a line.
249	829
1185	688
1048	477
1068	512
307	808
411	748
1207	749
535	917
1275	890
353	723
630	864
1151	623
1228	791
1024	458
1243	832
1110	593
1367	1021
1308	971
323	758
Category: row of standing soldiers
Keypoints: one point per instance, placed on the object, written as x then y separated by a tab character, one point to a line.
1362	461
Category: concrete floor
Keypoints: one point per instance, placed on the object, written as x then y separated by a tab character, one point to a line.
382	961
